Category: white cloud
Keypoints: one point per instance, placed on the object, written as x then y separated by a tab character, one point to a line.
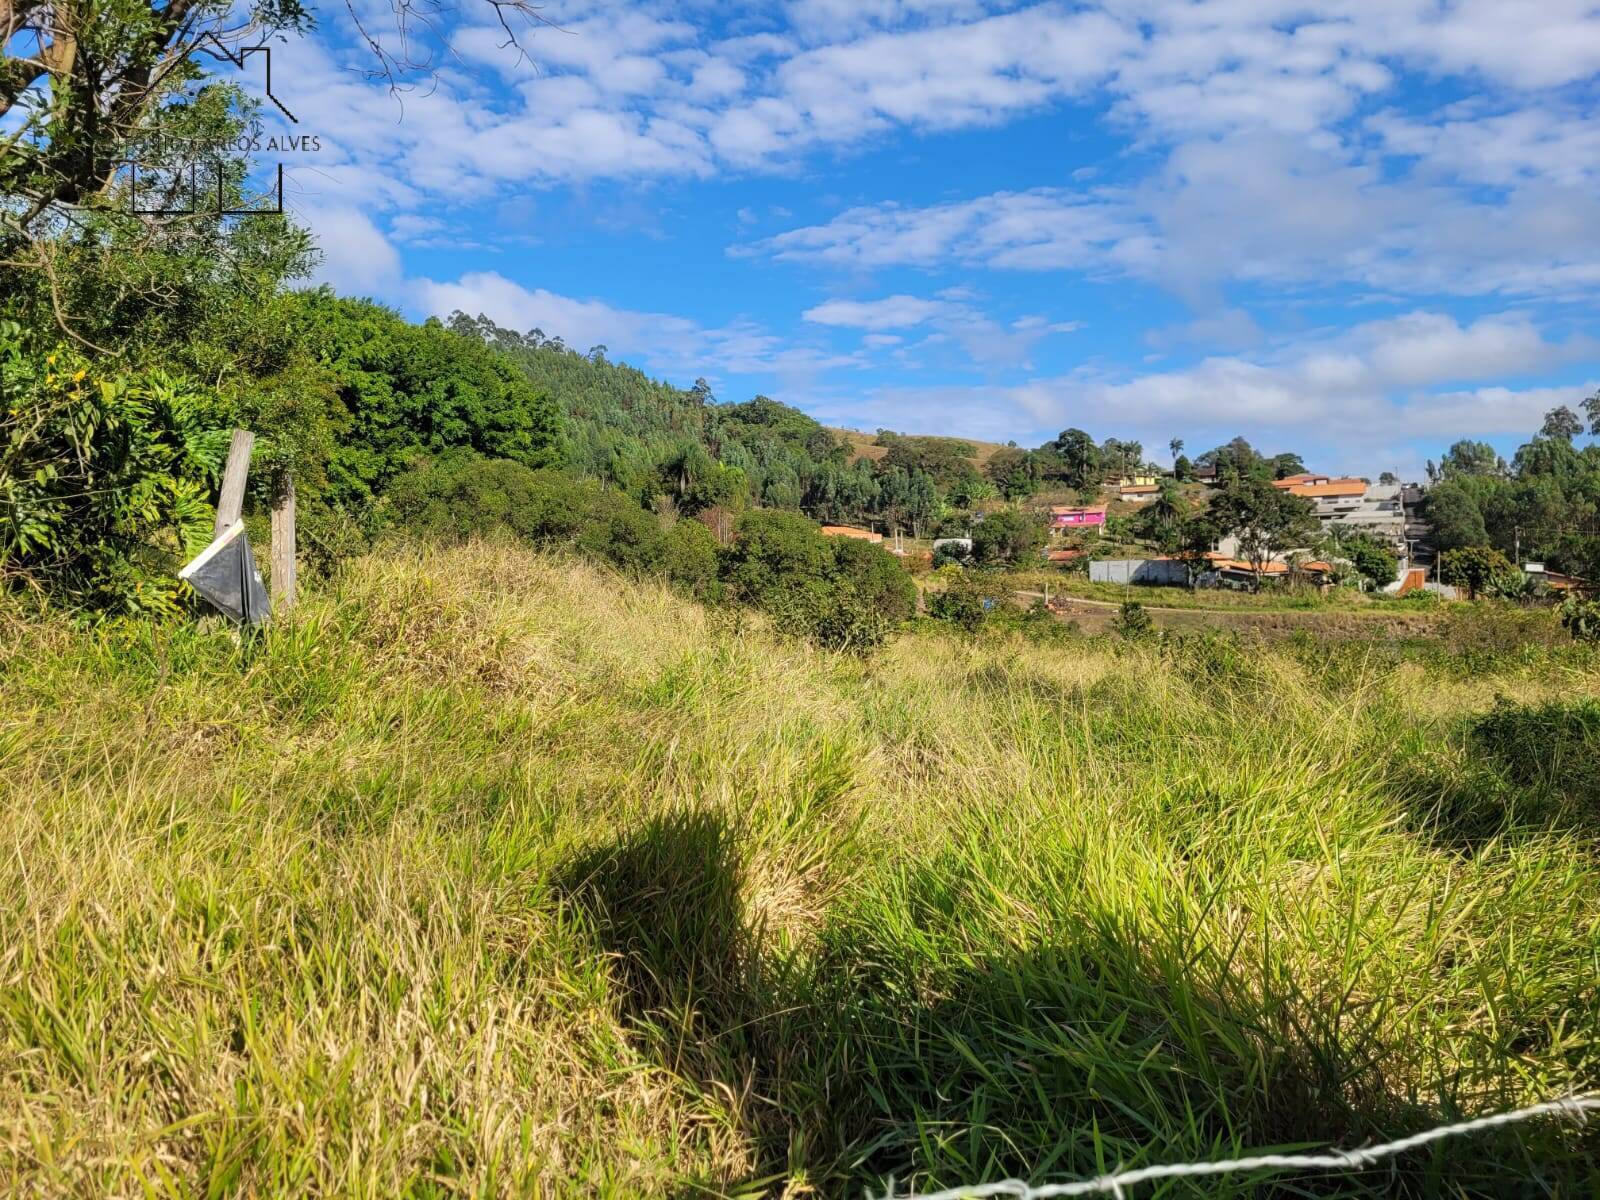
954	320
1359	400
1252	208
1047	228
664	341
356	258
892	312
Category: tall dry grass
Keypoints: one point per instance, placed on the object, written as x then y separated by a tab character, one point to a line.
494	874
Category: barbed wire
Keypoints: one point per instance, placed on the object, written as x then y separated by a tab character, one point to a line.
1117	1182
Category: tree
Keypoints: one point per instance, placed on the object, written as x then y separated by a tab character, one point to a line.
1286	464
1474	568
1163	514
1561	423
1014	472
1176	446
1182	469
1123	458
1388	479
1374	560
1006	537
1190	541
843	593
1467	457
969	489
1080	457
1266	520
1591	408
87	86
1455	517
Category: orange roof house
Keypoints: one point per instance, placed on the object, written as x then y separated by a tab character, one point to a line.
1327	489
849	531
1221	562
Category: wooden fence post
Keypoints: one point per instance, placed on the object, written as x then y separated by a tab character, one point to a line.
283	568
230	505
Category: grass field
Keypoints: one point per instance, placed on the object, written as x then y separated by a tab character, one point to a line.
496	875
1270	598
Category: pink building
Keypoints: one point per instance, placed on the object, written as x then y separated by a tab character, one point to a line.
1065	517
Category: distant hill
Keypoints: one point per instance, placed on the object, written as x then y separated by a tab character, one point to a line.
863	445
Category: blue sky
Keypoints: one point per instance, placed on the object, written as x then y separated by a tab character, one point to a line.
1357	228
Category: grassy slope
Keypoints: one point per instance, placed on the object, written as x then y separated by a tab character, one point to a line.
861	445
495	874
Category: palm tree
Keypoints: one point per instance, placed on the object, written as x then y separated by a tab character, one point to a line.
1168	509
1176	446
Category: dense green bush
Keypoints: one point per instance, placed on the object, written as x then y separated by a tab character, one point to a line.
689	559
461	495
1007	537
967	599
1133	622
1581	618
844	593
105	478
403	389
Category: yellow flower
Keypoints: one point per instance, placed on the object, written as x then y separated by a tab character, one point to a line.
78	376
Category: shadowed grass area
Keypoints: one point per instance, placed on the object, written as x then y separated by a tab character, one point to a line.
496	874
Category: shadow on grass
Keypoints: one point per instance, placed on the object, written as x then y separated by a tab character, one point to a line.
907	1045
1528	770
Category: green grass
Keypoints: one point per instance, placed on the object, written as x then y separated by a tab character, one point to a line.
1270	599
497	875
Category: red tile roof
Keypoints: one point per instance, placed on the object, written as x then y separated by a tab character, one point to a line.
1333	488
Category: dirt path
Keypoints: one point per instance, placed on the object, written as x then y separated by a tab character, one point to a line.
1095	616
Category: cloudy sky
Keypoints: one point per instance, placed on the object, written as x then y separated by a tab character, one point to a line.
1354	228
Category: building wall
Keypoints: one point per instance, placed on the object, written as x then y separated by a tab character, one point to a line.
1147	572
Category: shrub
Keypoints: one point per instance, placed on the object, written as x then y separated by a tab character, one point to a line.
105	479
461	495
689	560
960	602
1581	618
1132	622
1476	568
842	593
1373	560
1006	537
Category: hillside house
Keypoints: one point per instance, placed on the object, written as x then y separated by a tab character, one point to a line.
1133	479
1138	493
1067	516
1345	506
1224	571
1556	581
